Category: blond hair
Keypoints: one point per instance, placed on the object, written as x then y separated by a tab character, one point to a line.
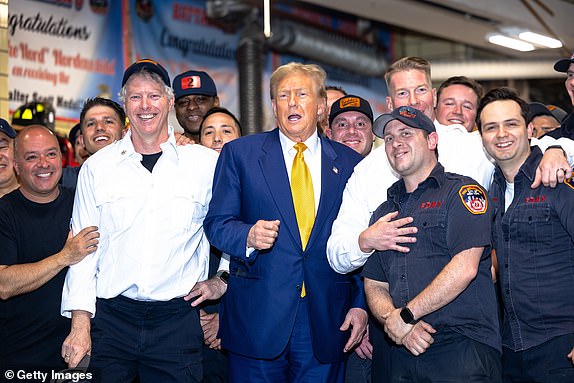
407	64
312	70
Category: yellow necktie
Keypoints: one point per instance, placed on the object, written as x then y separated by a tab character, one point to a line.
303	197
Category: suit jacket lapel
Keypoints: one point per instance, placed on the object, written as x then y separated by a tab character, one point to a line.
275	174
331	178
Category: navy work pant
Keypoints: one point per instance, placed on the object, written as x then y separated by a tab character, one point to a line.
157	341
545	363
451	358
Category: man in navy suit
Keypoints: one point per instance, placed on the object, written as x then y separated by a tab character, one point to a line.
287	316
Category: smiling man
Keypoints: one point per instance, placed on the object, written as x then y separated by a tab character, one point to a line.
36	249
218	127
533	235
129	299
426	300
457	101
195	93
102	122
351	122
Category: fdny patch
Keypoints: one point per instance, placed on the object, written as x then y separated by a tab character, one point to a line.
473	198
569	182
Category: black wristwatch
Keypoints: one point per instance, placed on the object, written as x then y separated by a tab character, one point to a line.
223	275
407	316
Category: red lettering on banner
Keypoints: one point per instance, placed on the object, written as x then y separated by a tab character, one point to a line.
33	55
188	13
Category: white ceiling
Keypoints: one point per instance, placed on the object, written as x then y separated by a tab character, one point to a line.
469	21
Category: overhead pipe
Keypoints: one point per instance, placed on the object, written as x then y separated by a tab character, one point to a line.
250	68
328	48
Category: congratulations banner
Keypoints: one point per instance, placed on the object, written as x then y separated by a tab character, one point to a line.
63	51
179	36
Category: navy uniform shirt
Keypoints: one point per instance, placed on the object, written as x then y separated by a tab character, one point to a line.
535	248
451	213
566	128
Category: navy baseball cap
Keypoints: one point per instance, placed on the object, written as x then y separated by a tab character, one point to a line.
563	64
407	115
539	109
148	65
350	103
7	129
193	82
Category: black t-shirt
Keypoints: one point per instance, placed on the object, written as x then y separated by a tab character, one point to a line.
31	327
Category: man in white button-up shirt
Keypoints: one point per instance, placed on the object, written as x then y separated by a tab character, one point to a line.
149	197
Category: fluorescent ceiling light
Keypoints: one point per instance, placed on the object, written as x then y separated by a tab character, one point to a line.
538	39
511	43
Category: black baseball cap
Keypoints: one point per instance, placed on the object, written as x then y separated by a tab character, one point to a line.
538	109
407	115
7	129
193	82
563	64
148	65
350	103
74	133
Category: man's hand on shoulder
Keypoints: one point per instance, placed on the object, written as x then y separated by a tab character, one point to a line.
553	169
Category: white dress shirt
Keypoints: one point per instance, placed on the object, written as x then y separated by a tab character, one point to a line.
312	156
152	245
459	152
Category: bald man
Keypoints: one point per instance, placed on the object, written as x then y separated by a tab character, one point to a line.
36	248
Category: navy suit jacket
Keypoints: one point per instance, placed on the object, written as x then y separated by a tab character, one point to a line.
258	311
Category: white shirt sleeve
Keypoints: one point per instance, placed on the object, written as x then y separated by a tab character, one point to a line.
224	263
79	292
365	191
462	153
565	143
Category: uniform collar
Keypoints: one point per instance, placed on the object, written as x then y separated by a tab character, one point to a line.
126	147
527	170
435	180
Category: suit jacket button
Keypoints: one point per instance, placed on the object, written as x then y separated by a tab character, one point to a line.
298	287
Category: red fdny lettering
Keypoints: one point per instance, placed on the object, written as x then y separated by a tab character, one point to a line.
535	199
430	205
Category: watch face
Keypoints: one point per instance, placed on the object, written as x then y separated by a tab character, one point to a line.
407	316
224	275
